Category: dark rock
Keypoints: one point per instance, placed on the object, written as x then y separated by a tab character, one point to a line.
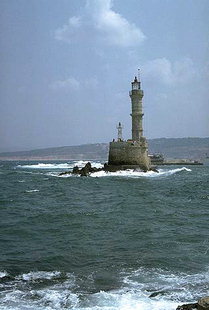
75	170
187	307
157	294
84	172
203	303
154	169
87	169
105	167
65	172
88	166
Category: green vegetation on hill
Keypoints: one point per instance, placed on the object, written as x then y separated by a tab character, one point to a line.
191	148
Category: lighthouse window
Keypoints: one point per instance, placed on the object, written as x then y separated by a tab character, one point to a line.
135	86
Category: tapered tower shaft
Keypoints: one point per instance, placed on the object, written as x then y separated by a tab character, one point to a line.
136	95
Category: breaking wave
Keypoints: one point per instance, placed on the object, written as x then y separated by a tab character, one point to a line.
39	275
136	174
32	190
143	289
3	274
130	173
49	166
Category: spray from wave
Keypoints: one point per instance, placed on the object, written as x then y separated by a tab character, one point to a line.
136	174
130	173
49	166
142	289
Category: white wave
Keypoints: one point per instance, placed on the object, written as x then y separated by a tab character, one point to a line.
136	174
21	181
57	174
47	166
129	173
168	290
131	300
80	164
32	190
57	299
3	274
37	275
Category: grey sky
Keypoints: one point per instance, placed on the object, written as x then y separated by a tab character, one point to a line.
66	68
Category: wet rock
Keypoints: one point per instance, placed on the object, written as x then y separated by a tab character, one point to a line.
155	294
87	169
187	307
105	167
88	166
203	303
154	169
75	170
64	173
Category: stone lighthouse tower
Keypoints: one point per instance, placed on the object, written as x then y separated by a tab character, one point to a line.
136	95
132	153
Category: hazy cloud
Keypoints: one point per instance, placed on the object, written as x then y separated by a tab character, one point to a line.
163	70
73	84
103	23
66	85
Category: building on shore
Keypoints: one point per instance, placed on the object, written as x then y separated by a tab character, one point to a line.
134	151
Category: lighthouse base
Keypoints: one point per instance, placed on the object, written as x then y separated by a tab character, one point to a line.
129	153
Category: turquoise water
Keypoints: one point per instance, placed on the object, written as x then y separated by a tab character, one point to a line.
125	240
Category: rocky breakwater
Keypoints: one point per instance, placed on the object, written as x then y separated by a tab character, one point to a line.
88	169
202	304
83	172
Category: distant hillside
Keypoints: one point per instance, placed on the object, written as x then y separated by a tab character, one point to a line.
85	151
192	148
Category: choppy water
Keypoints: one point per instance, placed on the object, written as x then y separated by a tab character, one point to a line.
125	240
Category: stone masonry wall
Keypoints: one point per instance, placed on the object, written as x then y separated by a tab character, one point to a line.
128	153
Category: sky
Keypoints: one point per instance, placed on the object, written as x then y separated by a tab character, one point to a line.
67	67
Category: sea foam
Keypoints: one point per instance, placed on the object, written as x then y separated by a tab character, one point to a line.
39	275
141	289
3	274
67	165
136	174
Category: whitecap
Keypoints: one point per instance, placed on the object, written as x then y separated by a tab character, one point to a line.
131	300
57	174
39	275
167	286
32	191
130	173
3	274
47	166
82	163
168	290
57	298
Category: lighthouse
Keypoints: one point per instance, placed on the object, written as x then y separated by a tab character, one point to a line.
136	95
132	153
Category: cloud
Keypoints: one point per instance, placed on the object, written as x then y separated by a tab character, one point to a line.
91	83
166	72
70	84
103	24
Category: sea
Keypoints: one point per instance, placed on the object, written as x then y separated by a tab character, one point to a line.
111	241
